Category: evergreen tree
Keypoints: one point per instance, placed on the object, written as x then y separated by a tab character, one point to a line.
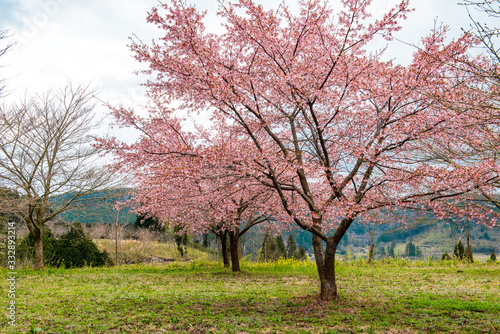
271	249
291	247
263	257
280	248
410	249
381	251
390	251
302	253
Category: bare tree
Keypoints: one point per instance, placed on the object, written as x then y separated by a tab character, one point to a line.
3	50
47	157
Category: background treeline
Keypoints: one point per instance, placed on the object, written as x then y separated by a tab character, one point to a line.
99	220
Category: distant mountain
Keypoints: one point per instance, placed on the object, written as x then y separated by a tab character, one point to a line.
98	208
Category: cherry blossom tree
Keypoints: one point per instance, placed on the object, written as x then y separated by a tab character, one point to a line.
192	180
335	131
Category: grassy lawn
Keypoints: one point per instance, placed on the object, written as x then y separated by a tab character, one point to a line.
200	297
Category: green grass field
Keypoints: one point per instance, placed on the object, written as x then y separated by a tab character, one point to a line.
396	296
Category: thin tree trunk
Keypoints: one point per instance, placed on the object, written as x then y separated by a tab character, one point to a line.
370	254
116	244
233	246
468	252
38	251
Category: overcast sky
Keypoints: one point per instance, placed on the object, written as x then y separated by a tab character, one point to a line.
86	41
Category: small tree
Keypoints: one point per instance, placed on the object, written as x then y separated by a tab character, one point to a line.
493	257
291	247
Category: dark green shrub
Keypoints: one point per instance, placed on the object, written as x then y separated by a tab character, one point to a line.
493	257
446	256
74	249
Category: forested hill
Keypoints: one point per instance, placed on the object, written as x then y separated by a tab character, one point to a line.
98	208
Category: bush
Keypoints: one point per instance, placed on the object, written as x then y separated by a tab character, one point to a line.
493	257
74	249
71	250
446	256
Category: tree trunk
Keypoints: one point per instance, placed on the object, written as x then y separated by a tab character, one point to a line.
116	244
370	254
468	251
325	261
225	255
38	251
233	246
